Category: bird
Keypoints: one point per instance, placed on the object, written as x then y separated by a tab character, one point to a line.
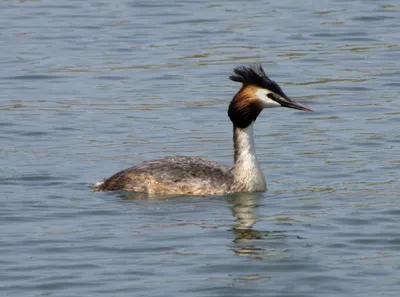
183	175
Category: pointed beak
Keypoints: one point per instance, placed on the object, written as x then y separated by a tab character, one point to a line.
287	102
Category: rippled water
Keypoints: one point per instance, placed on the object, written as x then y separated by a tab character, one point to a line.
89	88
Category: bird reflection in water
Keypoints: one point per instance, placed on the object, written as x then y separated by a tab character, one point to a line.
248	241
245	209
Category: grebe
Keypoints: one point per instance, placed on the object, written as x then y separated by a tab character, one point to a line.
197	176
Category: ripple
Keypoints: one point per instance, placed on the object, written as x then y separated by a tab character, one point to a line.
35	77
91	88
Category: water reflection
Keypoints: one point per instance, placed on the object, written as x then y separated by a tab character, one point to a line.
124	195
245	209
248	241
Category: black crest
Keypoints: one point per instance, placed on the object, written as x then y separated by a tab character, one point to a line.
255	75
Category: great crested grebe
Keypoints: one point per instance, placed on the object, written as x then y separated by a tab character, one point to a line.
197	176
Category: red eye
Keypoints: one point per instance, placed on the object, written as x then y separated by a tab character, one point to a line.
270	96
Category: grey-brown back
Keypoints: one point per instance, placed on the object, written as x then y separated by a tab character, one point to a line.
172	175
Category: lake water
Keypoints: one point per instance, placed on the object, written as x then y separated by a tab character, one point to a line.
91	87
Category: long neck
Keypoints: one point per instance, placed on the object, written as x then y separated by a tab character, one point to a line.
243	145
247	171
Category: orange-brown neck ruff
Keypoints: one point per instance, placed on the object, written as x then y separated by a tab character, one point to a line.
245	106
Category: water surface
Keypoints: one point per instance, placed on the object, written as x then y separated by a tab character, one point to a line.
89	88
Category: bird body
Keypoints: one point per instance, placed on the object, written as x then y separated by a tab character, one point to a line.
196	176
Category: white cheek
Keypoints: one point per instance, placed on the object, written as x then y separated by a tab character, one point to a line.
267	102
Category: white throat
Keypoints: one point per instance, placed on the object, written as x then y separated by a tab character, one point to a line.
247	172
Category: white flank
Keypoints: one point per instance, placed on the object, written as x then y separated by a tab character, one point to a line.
100	183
